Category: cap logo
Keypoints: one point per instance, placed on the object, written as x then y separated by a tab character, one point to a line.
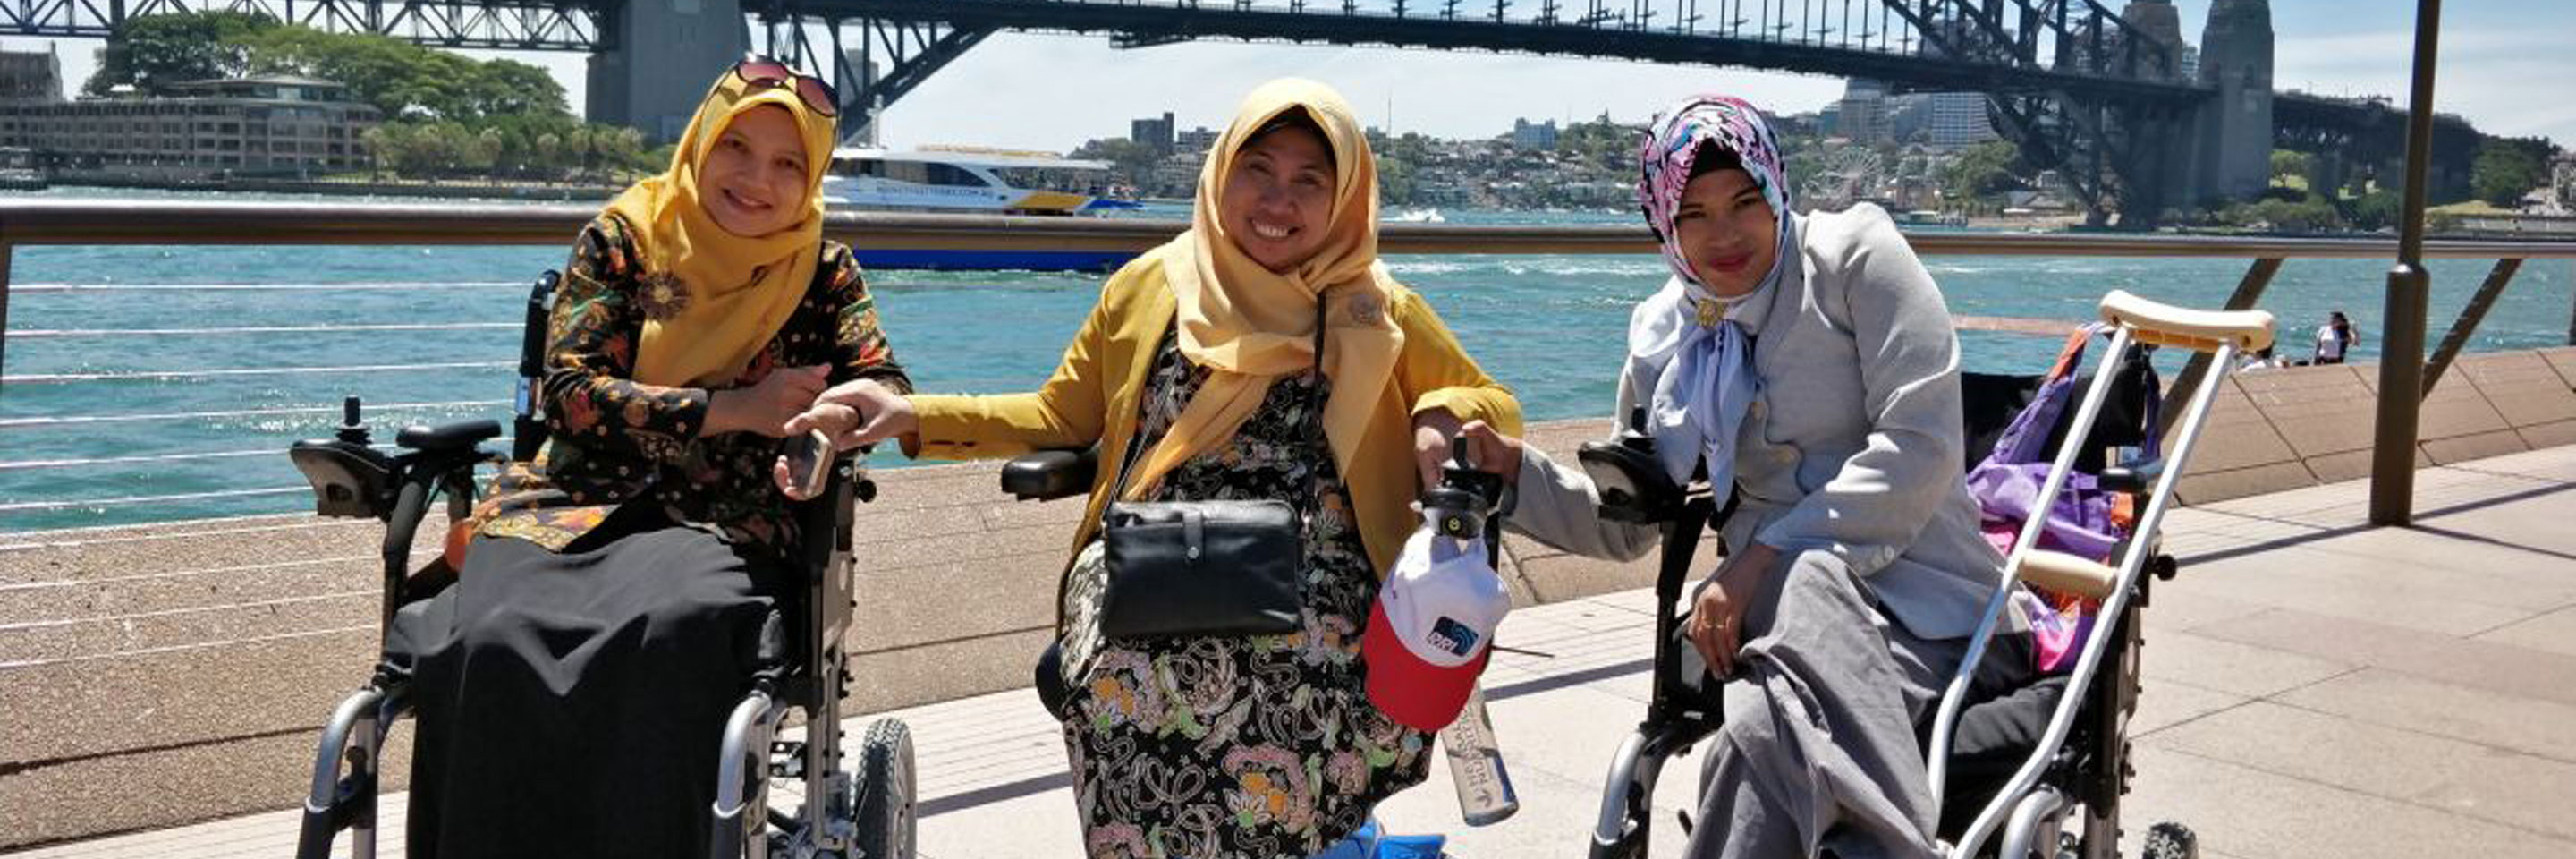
1452	637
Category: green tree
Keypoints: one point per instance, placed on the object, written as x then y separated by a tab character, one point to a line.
2375	210
1132	160
1395	179
1979	172
2507	168
2288	165
154	51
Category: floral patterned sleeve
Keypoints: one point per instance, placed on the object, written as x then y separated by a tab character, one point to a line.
860	350
590	357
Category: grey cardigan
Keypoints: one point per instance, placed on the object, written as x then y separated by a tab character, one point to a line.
1852	449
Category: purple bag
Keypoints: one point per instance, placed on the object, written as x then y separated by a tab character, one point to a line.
2007	485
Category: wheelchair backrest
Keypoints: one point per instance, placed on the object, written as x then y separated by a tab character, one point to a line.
528	427
1988	402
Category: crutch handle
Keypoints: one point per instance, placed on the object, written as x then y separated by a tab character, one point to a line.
2185	328
2059	571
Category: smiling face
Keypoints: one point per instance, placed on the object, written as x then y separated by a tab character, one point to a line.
1278	197
1727	231
754	180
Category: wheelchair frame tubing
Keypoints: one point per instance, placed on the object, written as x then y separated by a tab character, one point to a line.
356	733
743	756
1628	794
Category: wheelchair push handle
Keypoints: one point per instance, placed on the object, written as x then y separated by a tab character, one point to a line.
2185	328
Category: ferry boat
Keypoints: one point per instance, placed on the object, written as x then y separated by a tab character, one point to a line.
963	180
966	180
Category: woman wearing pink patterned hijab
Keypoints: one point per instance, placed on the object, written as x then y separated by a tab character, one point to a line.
1807	363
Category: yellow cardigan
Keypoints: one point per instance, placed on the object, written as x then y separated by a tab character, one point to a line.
1093	397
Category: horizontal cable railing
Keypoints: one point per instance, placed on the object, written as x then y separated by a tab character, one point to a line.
190	223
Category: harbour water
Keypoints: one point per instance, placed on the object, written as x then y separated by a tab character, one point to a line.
115	360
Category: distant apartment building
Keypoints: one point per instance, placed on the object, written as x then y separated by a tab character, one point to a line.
269	125
1156	133
1861	115
1533	135
1958	119
30	77
1200	139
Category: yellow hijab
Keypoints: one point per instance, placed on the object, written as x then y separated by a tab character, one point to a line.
1249	325
736	292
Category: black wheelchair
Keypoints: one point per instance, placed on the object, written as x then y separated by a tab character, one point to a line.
862	810
2054	765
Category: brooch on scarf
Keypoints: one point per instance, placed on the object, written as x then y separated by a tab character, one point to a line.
1365	310
661	295
1710	312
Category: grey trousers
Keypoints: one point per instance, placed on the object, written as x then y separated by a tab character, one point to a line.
1819	750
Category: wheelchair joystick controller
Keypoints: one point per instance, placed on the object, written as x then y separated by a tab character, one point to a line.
1465	497
352	429
1631	479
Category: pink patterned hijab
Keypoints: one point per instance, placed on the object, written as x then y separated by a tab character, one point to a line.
1673	144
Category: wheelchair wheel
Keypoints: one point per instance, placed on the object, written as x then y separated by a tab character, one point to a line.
2170	840
887	791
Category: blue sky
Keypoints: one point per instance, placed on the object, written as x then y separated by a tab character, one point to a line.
2510	67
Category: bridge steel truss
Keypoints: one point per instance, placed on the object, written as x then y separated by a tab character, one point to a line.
527	25
2071	82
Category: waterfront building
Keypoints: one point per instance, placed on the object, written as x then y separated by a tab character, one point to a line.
1957	119
1153	132
1533	135
1198	139
1862	115
280	125
30	77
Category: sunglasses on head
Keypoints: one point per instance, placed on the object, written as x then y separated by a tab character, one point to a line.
766	73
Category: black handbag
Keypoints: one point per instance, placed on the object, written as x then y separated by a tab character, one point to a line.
1204	568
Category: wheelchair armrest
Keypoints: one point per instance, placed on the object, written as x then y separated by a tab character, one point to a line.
1051	474
2137	475
1632	482
445	438
350	479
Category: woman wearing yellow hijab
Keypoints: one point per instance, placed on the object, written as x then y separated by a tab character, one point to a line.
1201	357
573	684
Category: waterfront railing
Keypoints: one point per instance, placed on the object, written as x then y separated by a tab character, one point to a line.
195	223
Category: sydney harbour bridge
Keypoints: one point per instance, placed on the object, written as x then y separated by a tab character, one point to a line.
2109	98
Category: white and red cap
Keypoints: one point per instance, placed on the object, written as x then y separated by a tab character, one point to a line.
1428	637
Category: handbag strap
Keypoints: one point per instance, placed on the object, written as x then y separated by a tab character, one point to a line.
1314	402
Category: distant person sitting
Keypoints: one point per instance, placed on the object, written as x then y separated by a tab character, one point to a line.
2335	338
2261	360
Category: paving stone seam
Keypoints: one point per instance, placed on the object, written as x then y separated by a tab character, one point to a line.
2376	723
2519	621
2145	684
2330	786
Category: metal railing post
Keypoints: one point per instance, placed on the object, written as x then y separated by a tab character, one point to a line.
2467	323
2249	291
2401	363
4	301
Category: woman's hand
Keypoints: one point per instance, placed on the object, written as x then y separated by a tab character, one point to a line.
875	413
1716	623
834	420
1492	451
767	406
1431	433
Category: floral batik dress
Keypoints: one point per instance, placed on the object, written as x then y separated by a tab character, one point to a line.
1261	746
